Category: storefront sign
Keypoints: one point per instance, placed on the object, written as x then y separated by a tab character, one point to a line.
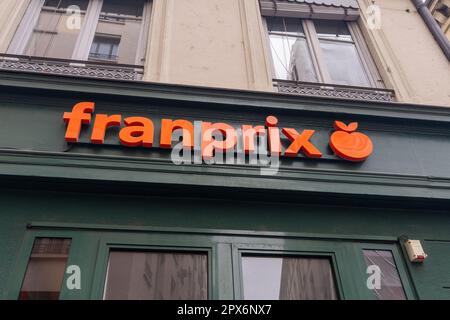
345	142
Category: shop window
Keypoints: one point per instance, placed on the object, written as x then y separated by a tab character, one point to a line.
58	30
141	275
324	51
288	278
390	286
45	271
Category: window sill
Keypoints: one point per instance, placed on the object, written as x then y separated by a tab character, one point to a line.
334	91
75	68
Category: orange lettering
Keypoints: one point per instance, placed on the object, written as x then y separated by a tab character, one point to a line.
103	122
209	144
139	131
300	142
248	136
169	126
273	139
76	118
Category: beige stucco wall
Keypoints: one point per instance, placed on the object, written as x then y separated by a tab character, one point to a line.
222	43
218	43
408	57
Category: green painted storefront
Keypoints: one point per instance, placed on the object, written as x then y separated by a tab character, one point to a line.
110	197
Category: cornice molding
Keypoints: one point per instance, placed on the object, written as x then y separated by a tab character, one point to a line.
270	101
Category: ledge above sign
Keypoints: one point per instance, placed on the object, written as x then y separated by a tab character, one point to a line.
311	9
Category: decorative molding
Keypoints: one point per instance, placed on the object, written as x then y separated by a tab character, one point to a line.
334	91
70	67
144	34
104	169
158	42
238	99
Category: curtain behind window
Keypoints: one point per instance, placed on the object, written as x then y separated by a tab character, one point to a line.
156	276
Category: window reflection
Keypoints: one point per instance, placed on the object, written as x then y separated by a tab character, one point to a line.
45	270
120	21
288	278
55	34
156	276
290	51
390	286
340	54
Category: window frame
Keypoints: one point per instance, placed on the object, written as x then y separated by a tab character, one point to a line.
297	248
86	34
143	243
371	72
77	247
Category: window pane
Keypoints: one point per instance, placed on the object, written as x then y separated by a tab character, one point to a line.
343	63
156	276
390	286
46	268
285	25
288	278
104	48
56	30
129	7
290	52
330	29
122	20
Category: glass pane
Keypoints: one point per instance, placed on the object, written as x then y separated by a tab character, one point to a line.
288	278
104	48
56	30
343	63
329	29
46	268
390	287
292	59
122	20
285	25
156	276
129	7
64	4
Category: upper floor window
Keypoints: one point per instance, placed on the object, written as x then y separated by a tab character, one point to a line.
325	51
100	30
318	49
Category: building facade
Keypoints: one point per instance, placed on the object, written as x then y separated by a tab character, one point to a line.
222	149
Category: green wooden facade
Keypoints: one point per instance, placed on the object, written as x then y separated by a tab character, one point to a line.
109	196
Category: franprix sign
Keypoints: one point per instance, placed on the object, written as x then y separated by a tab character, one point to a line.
345	142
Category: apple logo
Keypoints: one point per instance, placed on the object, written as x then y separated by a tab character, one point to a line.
348	144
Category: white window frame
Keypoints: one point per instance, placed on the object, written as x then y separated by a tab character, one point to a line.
86	34
315	50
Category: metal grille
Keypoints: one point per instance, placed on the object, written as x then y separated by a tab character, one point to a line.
70	67
334	91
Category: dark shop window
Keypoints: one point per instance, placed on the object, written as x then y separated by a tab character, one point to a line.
288	278
156	276
390	286
45	270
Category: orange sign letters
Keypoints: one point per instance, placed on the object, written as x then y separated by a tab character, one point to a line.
345	142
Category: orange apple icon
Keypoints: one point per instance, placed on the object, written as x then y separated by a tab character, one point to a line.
348	144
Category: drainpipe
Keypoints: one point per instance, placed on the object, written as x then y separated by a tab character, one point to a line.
435	30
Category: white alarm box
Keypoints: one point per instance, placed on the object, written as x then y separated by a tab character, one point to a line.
415	251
